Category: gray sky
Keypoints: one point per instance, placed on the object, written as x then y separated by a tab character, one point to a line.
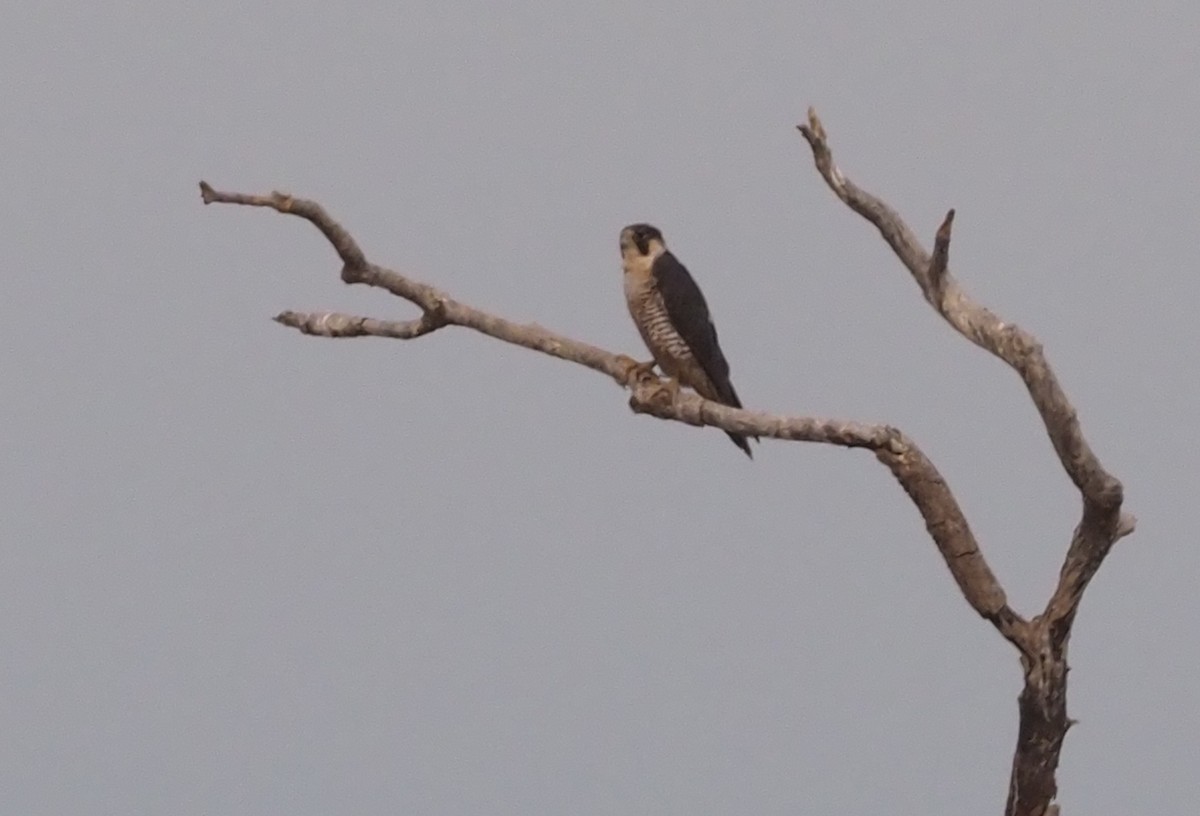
247	572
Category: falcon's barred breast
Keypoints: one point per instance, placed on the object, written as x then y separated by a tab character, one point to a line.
673	318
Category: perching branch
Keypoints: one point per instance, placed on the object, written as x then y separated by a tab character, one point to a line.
1044	720
917	475
1041	642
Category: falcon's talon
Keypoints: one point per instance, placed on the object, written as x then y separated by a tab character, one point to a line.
666	392
636	373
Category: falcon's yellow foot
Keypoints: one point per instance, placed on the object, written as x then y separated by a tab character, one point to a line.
666	392
635	372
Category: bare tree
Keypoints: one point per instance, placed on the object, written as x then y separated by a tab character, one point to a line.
1041	641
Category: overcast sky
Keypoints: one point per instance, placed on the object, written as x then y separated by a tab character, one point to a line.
244	571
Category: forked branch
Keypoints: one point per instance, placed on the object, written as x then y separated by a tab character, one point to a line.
1044	720
1041	642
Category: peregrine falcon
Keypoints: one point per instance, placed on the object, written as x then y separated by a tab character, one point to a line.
672	317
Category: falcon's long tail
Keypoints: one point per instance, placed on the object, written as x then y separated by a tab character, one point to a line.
741	442
729	396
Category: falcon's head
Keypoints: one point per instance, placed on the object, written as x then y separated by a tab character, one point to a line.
641	240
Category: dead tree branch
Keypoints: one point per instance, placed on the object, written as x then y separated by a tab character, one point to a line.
918	476
1044	721
1041	642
